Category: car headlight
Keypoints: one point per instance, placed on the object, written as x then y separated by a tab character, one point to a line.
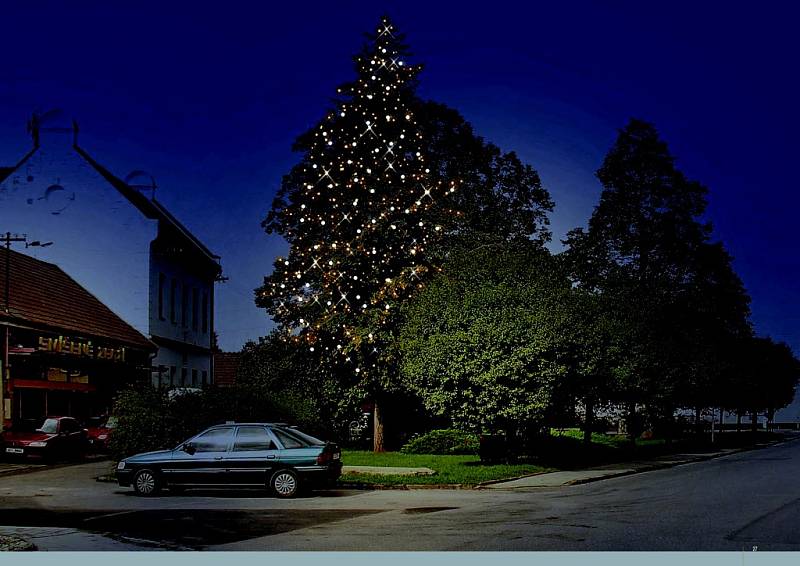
38	444
121	465
102	437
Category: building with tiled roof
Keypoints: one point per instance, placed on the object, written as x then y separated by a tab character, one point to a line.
67	352
117	240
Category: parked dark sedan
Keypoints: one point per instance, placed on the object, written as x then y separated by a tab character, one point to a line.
54	438
271	455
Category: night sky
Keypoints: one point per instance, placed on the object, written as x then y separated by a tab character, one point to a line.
209	100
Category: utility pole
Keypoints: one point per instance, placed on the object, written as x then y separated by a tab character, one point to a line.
5	375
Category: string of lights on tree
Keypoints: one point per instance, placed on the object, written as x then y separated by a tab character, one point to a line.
354	213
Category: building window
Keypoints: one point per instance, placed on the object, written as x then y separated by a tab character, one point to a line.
184	374
162	280
194	377
173	295
205	312
194	308
184	305
204	373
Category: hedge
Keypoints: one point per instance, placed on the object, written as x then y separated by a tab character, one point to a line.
443	441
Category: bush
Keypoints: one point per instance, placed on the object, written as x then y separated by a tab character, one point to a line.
443	441
141	422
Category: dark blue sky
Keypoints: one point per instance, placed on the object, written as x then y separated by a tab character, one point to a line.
209	100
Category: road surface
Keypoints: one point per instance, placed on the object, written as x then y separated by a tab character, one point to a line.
737	502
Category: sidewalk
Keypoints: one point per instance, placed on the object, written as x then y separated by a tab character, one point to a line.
575	477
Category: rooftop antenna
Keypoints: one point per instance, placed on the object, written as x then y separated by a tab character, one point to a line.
142	181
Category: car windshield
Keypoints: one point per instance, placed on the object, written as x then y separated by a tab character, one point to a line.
50	426
305	438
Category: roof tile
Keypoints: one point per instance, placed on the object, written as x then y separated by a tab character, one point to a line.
41	293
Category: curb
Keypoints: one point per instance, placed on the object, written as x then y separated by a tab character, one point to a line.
493	482
402	486
30	468
23	470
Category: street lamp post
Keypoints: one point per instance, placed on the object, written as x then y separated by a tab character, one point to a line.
8	238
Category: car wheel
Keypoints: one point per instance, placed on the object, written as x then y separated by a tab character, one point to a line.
145	483
284	483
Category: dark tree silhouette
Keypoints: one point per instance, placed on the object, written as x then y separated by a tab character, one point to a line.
638	254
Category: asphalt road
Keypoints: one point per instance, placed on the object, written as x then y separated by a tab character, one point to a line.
737	502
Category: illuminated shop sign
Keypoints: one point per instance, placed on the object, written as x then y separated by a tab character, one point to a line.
80	348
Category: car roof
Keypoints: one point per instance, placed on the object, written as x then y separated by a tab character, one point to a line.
249	424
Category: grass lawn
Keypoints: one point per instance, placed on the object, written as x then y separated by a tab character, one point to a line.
464	470
564	450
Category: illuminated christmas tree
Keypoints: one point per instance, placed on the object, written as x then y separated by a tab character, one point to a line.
356	212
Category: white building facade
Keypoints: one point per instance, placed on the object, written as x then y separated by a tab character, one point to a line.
121	244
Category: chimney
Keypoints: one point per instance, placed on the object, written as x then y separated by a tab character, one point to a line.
51	128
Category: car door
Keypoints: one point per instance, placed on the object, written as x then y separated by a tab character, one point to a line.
294	452
252	457
201	461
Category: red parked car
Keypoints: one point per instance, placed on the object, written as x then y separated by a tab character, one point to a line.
99	430
56	438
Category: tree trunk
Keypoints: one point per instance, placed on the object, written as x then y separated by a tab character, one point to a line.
738	421
633	428
754	421
588	421
378	443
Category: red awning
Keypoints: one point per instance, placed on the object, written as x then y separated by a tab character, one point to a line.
51	385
